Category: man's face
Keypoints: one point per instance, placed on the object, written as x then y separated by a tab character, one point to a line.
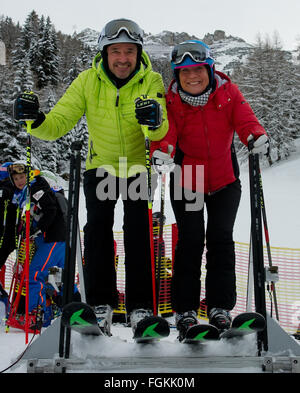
122	58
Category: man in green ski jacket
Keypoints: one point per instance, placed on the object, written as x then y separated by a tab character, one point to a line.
108	94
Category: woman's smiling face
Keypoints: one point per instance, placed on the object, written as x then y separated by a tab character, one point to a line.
194	80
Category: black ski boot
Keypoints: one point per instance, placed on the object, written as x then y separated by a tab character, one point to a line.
184	321
220	318
104	314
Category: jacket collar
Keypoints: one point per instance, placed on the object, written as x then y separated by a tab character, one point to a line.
221	80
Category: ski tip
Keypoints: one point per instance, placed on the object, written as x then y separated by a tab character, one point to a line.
77	314
151	329
249	321
201	333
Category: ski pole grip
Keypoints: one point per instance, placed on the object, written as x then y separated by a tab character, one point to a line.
28	125
145	131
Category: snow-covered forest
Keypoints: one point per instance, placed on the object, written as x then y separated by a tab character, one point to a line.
44	60
270	81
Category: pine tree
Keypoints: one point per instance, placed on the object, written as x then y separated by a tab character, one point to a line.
30	33
22	55
75	69
269	82
9	32
44	63
54	57
69	49
23	77
46	60
39	64
10	148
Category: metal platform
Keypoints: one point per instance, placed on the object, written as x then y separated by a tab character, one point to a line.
190	365
158	360
283	356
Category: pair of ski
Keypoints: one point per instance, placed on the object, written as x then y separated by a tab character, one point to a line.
242	325
81	318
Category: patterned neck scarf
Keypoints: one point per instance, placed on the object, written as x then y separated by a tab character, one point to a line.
200	100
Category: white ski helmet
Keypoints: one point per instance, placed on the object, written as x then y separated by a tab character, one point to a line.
120	30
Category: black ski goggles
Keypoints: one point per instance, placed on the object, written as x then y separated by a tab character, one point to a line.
115	27
196	51
16	168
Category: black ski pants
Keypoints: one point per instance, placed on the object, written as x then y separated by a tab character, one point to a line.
220	282
99	267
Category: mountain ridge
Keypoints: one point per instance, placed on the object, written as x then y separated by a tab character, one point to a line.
228	51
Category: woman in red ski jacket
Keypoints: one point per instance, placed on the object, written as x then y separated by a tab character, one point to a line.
205	109
204	134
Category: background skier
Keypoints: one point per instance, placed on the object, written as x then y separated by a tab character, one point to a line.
48	231
106	94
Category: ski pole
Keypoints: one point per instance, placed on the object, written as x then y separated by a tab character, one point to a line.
250	285
71	243
162	177
28	119
149	190
257	245
166	148
27	216
266	230
6	202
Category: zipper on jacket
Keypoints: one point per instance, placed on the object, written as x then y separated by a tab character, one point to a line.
92	151
118	97
122	140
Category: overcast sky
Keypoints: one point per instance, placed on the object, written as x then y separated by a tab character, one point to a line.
239	18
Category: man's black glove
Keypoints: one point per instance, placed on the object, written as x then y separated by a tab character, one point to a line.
148	112
26	107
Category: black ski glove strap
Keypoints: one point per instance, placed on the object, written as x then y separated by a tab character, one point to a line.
41	117
148	112
26	107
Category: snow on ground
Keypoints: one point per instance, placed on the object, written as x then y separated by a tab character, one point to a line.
281	186
12	344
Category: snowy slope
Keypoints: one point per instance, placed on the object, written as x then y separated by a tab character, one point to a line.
281	185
